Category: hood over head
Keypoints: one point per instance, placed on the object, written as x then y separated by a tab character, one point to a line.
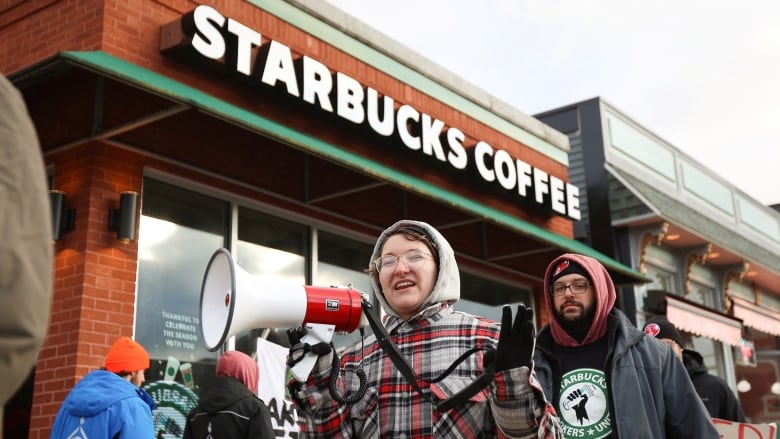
96	392
603	288
447	287
694	362
240	366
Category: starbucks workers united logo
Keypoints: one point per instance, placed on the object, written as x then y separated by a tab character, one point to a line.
584	404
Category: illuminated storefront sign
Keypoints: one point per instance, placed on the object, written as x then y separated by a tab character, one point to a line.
210	35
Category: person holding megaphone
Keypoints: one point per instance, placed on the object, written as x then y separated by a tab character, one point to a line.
428	371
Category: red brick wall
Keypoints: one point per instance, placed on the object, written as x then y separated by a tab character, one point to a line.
34	30
94	286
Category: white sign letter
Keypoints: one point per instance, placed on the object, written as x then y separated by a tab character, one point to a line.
457	155
573	201
279	67
208	22
431	135
504	168
405	114
480	151
557	195
349	98
540	185
246	39
383	127
317	83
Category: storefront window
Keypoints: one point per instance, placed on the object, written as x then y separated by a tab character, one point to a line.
274	249
179	232
342	262
701	295
662	270
759	402
485	297
770	301
704	289
660	280
712	353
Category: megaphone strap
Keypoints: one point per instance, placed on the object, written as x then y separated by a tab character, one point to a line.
387	345
392	350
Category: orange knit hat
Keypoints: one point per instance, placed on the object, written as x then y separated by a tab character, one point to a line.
126	355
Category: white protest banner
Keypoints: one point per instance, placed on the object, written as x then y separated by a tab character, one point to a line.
272	360
739	430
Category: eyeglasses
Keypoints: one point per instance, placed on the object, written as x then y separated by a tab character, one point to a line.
413	260
578	287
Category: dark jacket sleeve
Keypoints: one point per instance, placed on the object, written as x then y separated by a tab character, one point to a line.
188	425
261	427
731	408
686	415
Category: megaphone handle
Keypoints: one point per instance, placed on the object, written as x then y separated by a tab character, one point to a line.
315	333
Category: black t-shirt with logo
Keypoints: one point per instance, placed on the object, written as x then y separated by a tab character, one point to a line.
583	398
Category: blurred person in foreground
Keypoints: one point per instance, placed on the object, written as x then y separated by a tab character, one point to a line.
606	377
229	408
416	280
109	403
720	400
26	246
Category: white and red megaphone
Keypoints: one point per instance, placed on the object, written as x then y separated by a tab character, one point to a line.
233	300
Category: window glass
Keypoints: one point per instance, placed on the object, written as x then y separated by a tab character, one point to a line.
274	251
661	281
485	297
739	289
342	262
703	295
179	231
707	188
643	148
759	218
769	301
712	352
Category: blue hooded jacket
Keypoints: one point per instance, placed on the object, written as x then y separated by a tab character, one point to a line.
104	405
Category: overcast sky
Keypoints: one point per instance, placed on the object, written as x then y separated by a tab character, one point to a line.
703	75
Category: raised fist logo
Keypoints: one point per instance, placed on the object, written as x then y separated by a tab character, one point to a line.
576	401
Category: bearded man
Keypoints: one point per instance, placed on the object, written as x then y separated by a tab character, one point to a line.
606	378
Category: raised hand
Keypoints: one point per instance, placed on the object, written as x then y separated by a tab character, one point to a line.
515	341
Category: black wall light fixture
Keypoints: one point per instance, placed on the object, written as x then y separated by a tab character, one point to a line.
62	219
122	220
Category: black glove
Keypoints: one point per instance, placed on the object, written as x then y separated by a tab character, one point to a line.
294	335
299	349
515	342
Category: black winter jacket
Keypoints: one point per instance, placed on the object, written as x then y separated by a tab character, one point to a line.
713	391
228	410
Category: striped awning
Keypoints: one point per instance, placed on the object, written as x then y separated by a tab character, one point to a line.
756	317
703	322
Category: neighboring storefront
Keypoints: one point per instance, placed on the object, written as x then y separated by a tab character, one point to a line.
290	135
712	252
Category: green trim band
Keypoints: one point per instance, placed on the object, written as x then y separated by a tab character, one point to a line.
105	64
